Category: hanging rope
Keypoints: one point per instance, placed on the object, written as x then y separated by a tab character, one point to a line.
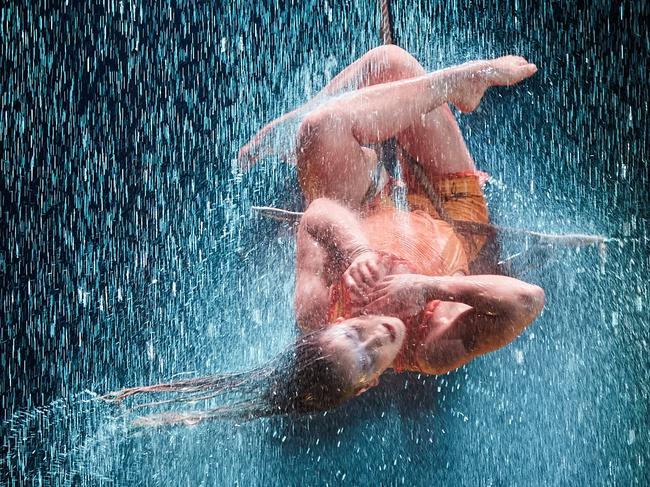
386	28
388	157
565	239
389	148
387	153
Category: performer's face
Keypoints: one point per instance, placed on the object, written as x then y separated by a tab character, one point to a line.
365	346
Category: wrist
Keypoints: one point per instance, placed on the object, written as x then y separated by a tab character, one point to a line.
357	251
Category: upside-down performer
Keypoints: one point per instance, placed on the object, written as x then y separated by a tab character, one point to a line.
378	287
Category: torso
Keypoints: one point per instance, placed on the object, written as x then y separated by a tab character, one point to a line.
415	243
429	245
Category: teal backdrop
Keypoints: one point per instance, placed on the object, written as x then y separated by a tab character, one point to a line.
130	253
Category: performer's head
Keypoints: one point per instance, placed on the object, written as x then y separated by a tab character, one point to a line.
321	371
360	349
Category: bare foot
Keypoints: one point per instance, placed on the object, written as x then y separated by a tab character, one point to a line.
478	76
255	149
261	145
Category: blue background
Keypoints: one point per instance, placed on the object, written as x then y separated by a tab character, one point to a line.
130	252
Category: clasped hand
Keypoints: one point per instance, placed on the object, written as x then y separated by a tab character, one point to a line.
376	292
400	295
361	276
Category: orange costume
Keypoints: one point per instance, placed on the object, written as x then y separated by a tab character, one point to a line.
419	242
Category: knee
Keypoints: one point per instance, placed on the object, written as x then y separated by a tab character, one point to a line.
391	54
322	126
395	62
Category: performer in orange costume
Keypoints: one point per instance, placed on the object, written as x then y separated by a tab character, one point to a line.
377	286
391	285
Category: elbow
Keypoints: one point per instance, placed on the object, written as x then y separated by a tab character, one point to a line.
538	300
525	307
314	214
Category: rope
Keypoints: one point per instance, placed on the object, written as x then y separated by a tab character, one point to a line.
386	28
388	156
564	240
422	178
388	148
389	160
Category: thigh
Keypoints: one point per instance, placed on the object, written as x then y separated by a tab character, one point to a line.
382	64
331	162
437	144
435	140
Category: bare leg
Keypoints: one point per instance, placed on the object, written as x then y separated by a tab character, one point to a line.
379	65
331	160
435	140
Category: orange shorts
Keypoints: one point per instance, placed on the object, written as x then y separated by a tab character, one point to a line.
463	199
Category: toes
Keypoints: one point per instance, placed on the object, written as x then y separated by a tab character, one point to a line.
529	69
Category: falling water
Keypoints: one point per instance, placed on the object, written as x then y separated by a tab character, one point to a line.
131	255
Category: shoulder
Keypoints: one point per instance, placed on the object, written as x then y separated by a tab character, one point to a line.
443	349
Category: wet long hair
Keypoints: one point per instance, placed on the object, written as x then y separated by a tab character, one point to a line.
303	379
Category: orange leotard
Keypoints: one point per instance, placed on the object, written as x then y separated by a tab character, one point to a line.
412	242
462	198
417	327
428	244
419	242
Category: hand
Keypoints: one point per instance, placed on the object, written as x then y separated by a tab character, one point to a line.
476	77
363	273
398	295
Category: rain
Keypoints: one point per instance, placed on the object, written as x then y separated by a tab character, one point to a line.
130	252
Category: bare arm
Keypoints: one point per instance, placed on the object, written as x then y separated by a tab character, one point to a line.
379	65
311	296
490	295
337	229
331	246
494	310
501	308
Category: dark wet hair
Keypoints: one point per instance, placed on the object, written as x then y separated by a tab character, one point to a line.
302	380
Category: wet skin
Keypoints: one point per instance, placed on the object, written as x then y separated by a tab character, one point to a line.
365	346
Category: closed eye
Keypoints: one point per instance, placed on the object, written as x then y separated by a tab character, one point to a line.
352	335
366	362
